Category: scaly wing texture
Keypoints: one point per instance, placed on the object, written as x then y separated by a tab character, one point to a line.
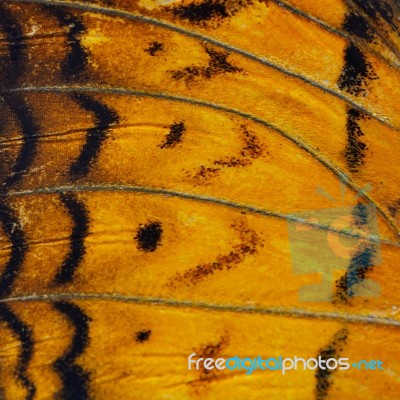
155	156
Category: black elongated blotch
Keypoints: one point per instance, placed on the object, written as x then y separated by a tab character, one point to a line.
356	73
355	149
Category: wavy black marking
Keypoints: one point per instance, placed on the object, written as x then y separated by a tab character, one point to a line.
14	37
80	231
74	378
16	46
73	68
362	261
105	117
17	103
24	335
324	376
77	58
30	137
15	234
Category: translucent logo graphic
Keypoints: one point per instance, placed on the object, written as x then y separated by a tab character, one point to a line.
327	241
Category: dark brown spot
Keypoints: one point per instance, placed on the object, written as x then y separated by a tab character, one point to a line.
143	336
174	136
217	65
208	12
154	48
148	236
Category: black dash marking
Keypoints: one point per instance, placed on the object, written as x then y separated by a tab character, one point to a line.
154	48
24	335
15	234
217	65
324	376
174	136
359	26
80	231
355	149
105	117
148	236
356	72
76	59
143	336
361	263
74	378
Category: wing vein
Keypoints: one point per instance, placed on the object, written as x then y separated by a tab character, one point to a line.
298	142
113	12
277	311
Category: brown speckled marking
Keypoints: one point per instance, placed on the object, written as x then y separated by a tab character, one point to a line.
217	65
251	150
211	350
208	12
249	242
